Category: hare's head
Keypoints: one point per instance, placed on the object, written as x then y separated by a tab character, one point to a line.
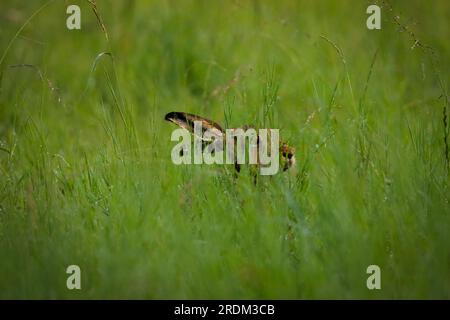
287	155
186	121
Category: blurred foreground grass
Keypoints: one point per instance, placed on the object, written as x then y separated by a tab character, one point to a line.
85	170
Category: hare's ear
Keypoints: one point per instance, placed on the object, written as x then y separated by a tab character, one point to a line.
181	119
186	121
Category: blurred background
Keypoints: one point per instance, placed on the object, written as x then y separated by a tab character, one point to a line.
85	170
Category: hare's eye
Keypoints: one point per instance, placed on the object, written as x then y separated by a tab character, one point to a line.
290	155
284	154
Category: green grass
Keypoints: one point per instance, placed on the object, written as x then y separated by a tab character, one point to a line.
86	176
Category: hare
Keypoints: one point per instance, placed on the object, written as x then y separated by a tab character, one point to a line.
186	121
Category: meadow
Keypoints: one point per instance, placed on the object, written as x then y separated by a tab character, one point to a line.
86	176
